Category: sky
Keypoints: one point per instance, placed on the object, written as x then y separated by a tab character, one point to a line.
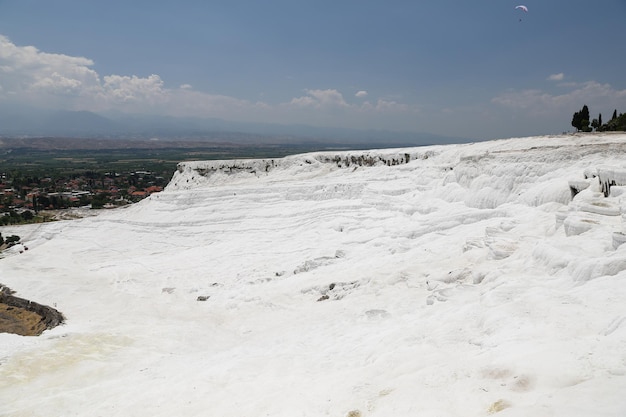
481	69
464	281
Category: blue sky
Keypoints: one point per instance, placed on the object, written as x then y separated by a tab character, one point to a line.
469	69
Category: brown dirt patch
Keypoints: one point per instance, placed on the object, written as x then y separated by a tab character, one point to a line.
20	321
24	317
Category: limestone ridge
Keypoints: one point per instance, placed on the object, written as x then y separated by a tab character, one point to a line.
257	167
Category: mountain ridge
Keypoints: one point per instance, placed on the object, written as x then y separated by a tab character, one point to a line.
31	122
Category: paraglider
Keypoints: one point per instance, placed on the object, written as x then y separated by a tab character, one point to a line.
522	8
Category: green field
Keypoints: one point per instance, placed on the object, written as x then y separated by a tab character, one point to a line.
62	162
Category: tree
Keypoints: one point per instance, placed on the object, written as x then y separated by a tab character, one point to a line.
620	122
27	215
99	200
580	120
595	124
584	113
599	126
614	115
617	123
577	121
43	202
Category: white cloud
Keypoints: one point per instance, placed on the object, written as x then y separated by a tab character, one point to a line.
57	80
30	58
320	99
557	77
39	78
32	73
390	105
60	80
124	88
304	101
187	102
386	106
331	98
590	92
58	84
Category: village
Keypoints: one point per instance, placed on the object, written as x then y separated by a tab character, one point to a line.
30	199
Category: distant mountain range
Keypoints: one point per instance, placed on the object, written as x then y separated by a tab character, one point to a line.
31	122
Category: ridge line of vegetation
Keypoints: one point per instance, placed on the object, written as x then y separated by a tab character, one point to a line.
581	121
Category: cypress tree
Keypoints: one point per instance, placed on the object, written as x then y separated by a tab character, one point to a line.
577	121
581	119
584	113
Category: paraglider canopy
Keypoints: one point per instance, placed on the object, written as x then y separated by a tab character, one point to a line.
523	8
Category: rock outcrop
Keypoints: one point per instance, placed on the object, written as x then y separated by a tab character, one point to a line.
24	317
